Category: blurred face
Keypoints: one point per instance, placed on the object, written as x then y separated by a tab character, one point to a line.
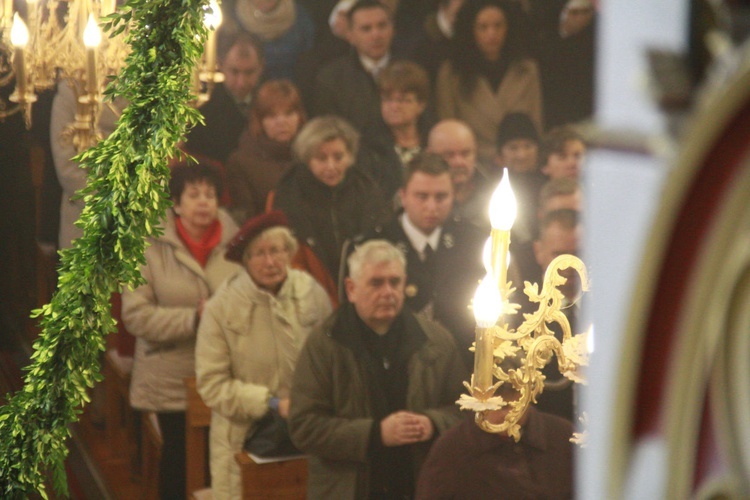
198	206
459	150
371	32
519	155
566	163
556	240
241	71
401	109
267	260
331	161
378	293
573	20
427	200
490	31
281	125
265	6
572	201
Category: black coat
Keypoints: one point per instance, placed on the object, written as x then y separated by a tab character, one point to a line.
218	138
343	87
325	217
378	157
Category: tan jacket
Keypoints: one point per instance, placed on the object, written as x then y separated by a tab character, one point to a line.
161	314
247	349
70	175
519	91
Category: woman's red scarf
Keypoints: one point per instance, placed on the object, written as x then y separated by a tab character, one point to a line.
202	248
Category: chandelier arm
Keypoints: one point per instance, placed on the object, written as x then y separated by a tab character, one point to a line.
8	112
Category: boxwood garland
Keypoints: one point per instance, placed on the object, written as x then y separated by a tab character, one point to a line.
125	198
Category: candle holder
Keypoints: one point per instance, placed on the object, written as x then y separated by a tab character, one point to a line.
49	47
207	74
533	341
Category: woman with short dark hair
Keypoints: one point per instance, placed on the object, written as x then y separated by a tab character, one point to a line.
184	267
388	146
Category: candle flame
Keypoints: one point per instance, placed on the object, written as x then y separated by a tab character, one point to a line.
503	207
487	303
212	18
19	33
92	35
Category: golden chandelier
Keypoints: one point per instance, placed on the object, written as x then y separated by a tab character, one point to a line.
533	342
60	40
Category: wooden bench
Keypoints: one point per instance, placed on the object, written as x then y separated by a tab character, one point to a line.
197	422
120	419
275	480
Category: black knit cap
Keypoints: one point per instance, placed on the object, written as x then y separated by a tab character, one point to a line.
516	126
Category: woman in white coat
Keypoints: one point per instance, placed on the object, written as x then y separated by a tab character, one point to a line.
184	267
249	338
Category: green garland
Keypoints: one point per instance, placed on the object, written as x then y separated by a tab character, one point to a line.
125	200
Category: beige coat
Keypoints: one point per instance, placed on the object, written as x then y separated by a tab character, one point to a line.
247	349
519	91
161	314
70	175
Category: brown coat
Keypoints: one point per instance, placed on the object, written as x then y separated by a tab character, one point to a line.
519	91
467	462
253	170
332	410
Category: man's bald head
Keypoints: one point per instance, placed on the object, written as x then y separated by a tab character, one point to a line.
457	144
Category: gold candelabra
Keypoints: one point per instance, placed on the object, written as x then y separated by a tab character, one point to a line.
61	40
207	74
533	342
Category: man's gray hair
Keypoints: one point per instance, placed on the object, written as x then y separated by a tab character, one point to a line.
374	252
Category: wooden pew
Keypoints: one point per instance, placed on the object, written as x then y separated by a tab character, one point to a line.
120	418
197	422
285	480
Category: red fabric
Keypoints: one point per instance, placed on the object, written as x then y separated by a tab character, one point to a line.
306	260
124	340
202	248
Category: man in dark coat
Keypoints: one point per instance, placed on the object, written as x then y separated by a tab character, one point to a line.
467	462
346	86
226	111
443	252
373	387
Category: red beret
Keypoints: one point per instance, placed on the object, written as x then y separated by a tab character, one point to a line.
252	228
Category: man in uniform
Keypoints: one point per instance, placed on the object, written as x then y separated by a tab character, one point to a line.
443	251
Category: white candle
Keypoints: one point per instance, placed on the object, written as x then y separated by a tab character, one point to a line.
7	18
19	37
487	308
503	212
92	37
212	19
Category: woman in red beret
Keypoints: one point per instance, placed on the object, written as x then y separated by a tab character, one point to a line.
184	267
250	335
